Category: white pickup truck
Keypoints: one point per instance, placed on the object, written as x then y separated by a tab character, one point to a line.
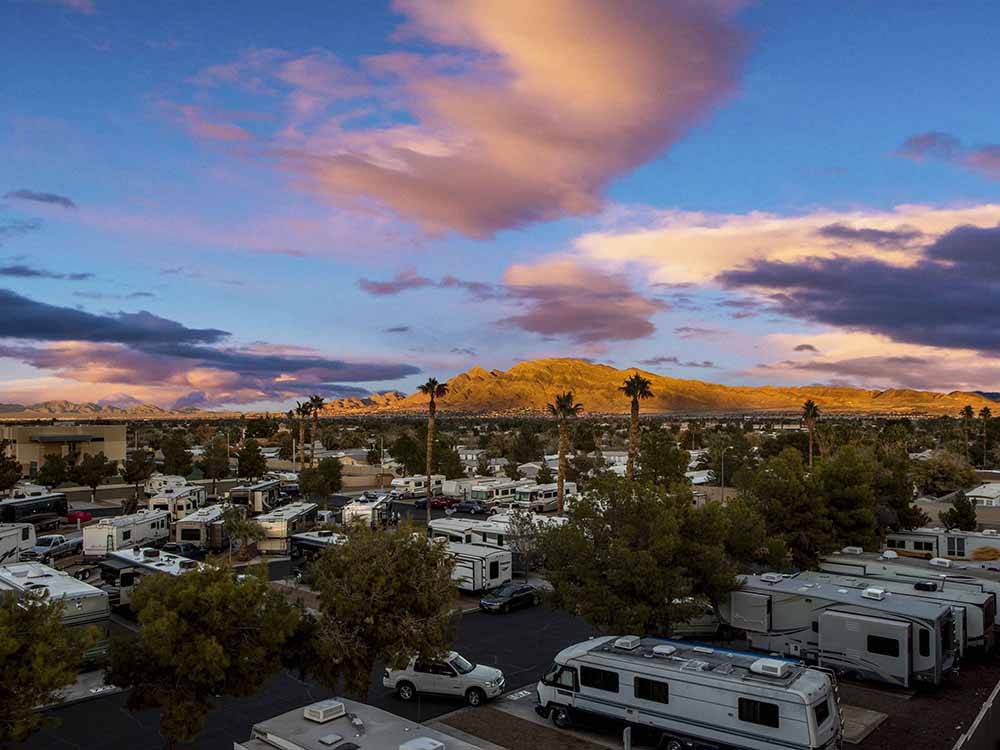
52	546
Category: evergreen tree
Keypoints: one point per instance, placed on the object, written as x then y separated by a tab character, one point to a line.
92	471
250	460
845	482
544	475
138	467
10	469
961	514
483	465
659	459
54	471
942	473
176	457
215	461
322	481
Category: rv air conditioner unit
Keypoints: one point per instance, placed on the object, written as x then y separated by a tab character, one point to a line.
150	553
628	642
664	649
925	586
770	667
873	593
324	711
941	562
853	550
890	554
771	578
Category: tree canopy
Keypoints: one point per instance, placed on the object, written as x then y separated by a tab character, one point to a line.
215	461
54	470
10	469
93	470
660	460
323	480
176	457
250	460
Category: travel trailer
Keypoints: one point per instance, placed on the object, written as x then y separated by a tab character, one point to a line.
452	529
416	486
368	511
496	492
180	501
973	546
41	511
204	528
461	487
145	528
697	697
493	533
262	497
288	481
311	544
280	524
159	483
865	632
25	489
123	569
479	568
15	538
544	497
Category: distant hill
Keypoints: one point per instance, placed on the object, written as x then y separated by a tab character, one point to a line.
119	407
529	386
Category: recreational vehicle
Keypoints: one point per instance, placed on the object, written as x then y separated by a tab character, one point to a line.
461	487
973	546
159	483
479	568
368	511
288	481
497	492
27	489
453	529
697	697
280	524
493	533
544	497
15	538
416	486
123	569
311	544
145	528
204	527
42	511
262	497
181	501
866	632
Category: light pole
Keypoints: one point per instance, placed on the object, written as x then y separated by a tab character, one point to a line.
722	478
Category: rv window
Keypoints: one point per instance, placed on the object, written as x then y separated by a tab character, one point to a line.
561	677
25	534
500	539
758	712
126	535
815	626
126	580
878	644
923	546
822	712
494	570
652	690
925	642
190	535
599	679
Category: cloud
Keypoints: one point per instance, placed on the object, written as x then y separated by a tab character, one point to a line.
50	198
665	360
17	227
199	124
397	329
694	332
898	237
984	159
23	271
403	281
86	7
464	350
108	296
806	348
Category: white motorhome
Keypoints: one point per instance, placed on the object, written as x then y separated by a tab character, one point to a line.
15	538
497	492
866	632
493	533
204	528
123	569
479	568
417	485
695	696
368	511
312	544
452	529
544	497
280	524
461	487
159	483
145	528
973	546
257	498
27	489
180	501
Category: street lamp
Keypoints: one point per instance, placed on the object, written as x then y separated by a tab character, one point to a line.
722	478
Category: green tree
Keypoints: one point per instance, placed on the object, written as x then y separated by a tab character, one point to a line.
845	482
262	427
10	469
92	471
523	537
526	446
176	457
54	471
961	514
635	388
215	460
810	415
892	485
250	461
942	473
384	597
433	390
138	467
544	475
316	404
660	461
447	462
510	469
563	408
323	480
39	656
727	452
285	446
405	450
241	531
202	635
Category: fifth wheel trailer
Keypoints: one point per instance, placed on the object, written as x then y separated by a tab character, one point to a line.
868	633
145	528
15	538
280	524
479	568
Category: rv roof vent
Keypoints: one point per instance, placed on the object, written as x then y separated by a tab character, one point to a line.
925	586
770	667
873	592
324	711
771	577
695	665
890	554
329	740
852	550
941	562
422	743
703	650
150	553
664	649
628	642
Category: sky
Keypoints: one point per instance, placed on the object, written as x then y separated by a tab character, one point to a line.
219	206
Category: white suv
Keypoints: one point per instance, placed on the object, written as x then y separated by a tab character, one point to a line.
451	675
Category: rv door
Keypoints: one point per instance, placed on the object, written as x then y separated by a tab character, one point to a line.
750	612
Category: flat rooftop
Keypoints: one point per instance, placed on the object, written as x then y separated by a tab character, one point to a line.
286	512
132	518
164	562
205	515
32	576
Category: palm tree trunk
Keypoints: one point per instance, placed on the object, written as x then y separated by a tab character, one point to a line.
563	445
633	440
809	427
302	442
312	446
432	408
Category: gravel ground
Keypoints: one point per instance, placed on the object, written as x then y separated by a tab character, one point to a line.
513	733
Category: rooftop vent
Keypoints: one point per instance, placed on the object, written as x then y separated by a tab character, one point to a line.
890	554
628	642
873	592
853	550
695	665
150	553
324	711
664	649
770	667
422	743
771	577
941	562
703	650
925	586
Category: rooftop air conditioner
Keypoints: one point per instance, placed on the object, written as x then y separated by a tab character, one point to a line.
150	553
771	578
770	667
925	586
664	650
628	642
853	550
873	592
890	554
324	711
940	562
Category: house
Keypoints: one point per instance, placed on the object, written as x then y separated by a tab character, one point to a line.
985	495
469	455
30	444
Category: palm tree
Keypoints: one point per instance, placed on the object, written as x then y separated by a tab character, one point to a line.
968	414
316	404
810	413
563	408
985	414
635	387
434	390
302	411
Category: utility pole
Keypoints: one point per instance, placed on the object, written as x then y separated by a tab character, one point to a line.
722	479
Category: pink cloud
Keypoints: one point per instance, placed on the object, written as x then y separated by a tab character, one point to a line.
946	147
403	281
79	6
195	121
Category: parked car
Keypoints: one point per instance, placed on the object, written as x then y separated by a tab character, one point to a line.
510	596
79	515
452	675
473	507
53	546
184	549
442	502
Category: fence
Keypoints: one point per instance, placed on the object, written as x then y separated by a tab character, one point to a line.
984	732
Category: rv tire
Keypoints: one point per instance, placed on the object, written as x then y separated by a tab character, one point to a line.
405	691
475	697
561	717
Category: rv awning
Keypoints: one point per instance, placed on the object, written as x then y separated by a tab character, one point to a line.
115	564
62	438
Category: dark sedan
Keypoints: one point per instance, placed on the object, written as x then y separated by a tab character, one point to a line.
510	596
472	507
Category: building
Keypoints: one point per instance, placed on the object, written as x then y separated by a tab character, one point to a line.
30	444
985	495
339	722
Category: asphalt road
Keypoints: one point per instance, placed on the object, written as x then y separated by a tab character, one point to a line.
522	644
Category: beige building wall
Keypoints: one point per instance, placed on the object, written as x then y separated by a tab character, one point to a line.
30	444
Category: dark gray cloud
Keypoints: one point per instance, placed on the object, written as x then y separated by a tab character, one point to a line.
984	159
108	296
464	350
24	271
670	360
397	329
693	332
409	279
32	195
948	298
899	237
806	348
10	228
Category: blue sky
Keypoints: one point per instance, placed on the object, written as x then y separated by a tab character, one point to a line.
506	181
